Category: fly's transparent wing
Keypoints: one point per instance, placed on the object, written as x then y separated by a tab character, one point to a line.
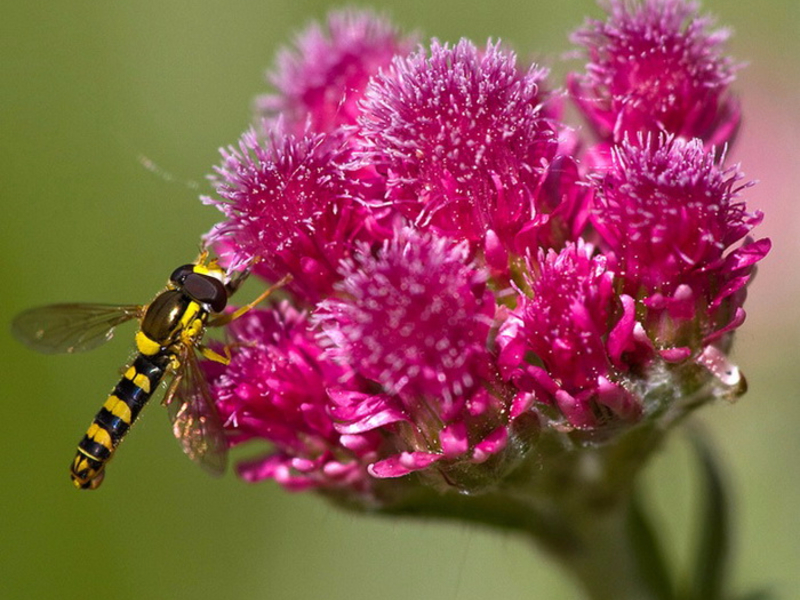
194	418
60	328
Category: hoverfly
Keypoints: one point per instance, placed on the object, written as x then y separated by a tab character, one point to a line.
171	330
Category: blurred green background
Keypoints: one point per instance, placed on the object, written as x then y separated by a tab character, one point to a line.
91	89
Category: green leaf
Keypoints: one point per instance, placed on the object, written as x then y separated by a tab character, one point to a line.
650	557
711	558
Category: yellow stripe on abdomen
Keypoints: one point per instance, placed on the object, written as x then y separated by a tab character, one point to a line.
119	408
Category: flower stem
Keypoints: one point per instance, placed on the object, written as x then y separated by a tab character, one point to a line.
605	560
574	502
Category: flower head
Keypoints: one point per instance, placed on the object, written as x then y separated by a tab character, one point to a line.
321	81
290	206
477	286
670	213
656	67
576	327
462	137
276	389
414	317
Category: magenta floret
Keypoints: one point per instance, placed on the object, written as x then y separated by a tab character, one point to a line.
321	81
291	207
462	137
576	326
671	214
276	389
414	317
656	67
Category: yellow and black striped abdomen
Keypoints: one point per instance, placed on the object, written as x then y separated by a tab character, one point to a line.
114	420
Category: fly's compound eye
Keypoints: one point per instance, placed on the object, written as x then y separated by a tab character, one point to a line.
179	275
205	289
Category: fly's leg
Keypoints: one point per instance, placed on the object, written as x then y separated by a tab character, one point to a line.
216	356
175	368
224	319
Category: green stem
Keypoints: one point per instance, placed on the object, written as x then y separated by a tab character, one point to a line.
605	560
572	493
596	549
573	502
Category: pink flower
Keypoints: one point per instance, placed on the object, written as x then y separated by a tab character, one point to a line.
414	318
655	67
577	328
473	290
462	138
276	389
321	81
670	213
291	207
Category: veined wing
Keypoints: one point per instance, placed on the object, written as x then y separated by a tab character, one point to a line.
60	328
194	418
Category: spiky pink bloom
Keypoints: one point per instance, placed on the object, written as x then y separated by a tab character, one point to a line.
670	213
276	389
321	81
577	328
462	138
656	67
414	317
436	219
290	206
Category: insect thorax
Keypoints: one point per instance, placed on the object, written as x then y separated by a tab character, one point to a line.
172	317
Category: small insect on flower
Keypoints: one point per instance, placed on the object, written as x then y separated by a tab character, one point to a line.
171	329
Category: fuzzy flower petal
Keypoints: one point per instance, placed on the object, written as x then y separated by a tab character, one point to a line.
413	317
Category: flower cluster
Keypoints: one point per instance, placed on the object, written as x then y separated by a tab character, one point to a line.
467	271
